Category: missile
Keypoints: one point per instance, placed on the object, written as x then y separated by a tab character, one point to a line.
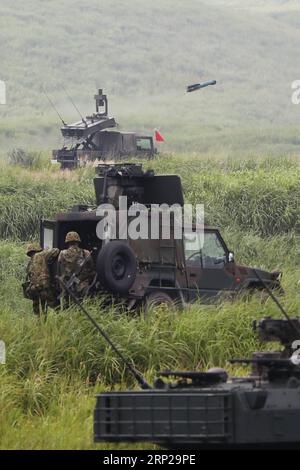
198	86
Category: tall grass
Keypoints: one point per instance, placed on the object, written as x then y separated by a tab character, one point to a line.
55	367
260	196
26	197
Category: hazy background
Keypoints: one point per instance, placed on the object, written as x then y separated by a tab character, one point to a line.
143	54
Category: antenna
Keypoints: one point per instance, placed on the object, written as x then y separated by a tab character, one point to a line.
52	104
136	374
82	118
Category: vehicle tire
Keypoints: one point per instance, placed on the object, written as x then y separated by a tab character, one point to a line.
263	296
157	298
116	267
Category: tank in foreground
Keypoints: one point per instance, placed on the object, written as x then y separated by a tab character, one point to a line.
207	409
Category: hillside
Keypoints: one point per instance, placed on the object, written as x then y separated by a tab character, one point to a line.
144	55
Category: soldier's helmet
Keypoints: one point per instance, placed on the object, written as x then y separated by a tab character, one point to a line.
72	237
33	248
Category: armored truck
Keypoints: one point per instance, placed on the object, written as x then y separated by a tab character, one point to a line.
201	410
152	270
96	137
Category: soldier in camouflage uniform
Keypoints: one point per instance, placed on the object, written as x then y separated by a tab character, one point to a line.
75	261
39	285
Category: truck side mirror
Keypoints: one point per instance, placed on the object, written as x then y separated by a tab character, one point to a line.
231	257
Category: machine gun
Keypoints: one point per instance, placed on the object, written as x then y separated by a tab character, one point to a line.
271	329
74	279
139	186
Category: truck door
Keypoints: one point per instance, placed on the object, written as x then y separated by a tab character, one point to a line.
208	270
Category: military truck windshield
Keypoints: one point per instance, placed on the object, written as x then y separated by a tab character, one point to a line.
210	254
143	143
193	245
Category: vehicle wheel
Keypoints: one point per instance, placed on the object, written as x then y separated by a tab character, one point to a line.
157	298
116	267
263	296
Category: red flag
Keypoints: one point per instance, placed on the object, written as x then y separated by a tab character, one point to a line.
158	136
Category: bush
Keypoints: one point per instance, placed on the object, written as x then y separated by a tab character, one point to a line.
18	156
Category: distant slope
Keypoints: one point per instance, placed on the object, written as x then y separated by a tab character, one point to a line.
144	54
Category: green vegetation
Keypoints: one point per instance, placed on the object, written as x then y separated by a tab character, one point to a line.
260	196
144	55
27	197
54	368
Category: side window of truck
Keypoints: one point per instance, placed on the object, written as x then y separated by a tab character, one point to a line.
213	252
208	254
193	244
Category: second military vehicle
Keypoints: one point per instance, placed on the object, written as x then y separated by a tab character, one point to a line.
153	270
207	409
96	138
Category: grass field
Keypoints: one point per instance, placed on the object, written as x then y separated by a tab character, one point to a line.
54	368
236	147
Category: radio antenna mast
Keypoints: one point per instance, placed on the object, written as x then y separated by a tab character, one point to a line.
53	106
70	98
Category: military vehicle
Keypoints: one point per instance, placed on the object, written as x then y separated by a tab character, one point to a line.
96	138
152	270
203	410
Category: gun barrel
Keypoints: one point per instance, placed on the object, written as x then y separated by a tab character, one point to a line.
198	86
136	374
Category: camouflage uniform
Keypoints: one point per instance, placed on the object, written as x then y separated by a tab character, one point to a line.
39	286
75	261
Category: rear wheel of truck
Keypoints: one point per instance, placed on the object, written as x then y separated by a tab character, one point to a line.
116	267
158	299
